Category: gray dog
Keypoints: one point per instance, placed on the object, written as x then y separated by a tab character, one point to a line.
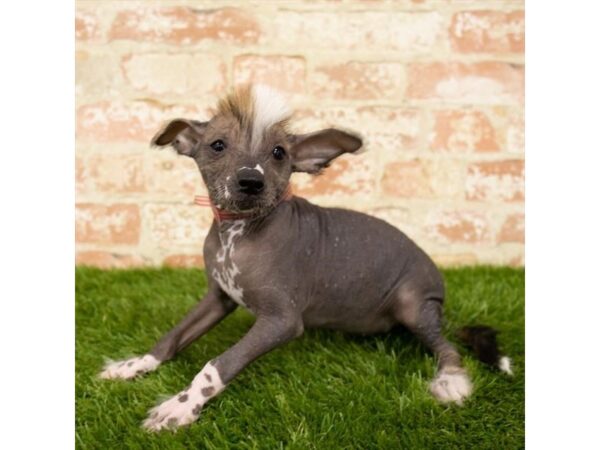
294	265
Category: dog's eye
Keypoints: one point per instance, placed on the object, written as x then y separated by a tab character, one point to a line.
218	145
278	153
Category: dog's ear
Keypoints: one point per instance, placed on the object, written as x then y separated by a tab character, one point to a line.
314	151
182	134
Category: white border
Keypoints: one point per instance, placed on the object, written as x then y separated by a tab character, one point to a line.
562	224
37	225
36	234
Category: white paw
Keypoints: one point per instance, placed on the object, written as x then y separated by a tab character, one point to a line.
184	408
130	368
451	385
181	409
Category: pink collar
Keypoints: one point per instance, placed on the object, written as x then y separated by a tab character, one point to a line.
221	214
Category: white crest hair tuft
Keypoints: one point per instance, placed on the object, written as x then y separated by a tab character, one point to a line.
270	107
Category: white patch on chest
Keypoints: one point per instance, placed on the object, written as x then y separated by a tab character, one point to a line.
226	271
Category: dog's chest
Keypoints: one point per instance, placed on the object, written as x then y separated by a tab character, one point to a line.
225	271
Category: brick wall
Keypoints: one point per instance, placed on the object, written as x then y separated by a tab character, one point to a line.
435	86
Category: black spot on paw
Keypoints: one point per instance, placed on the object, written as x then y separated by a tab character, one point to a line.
172	422
197	409
208	377
130	363
183	398
208	391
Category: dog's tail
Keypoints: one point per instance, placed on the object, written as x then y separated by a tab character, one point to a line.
482	340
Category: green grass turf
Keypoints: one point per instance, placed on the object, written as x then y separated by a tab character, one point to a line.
326	390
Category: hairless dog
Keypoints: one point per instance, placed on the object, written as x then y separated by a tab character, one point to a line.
293	264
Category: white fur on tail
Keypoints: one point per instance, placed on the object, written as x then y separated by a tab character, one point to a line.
505	365
184	408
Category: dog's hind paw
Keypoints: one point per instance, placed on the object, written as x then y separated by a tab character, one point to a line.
451	385
178	411
129	368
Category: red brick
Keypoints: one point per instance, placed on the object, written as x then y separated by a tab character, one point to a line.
107	224
458	227
121	121
108	260
488	31
172	176
515	133
171	225
179	74
286	73
110	173
96	74
407	179
424	178
496	180
513	229
405	32
184	261
388	128
463	131
86	26
476	83
359	81
347	176
183	25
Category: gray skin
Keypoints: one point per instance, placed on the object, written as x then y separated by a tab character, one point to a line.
293	264
304	266
300	265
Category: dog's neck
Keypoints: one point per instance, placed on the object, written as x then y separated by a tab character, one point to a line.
223	216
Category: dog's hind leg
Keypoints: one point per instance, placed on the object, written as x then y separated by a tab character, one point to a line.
205	315
424	318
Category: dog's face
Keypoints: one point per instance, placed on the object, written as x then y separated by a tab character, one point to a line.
246	152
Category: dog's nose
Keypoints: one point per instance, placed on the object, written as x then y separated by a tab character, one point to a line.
250	181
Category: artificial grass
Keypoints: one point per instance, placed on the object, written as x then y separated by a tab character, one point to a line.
325	390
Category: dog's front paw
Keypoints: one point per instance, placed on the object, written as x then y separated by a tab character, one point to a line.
130	368
451	386
178	411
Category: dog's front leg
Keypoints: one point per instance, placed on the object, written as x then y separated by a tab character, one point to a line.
184	408
206	314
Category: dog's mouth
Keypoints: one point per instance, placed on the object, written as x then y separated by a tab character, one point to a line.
232	199
247	203
241	203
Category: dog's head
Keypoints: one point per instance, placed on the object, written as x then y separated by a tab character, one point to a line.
246	152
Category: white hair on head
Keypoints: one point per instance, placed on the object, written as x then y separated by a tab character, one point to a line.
270	107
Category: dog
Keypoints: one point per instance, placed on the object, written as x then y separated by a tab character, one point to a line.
292	264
